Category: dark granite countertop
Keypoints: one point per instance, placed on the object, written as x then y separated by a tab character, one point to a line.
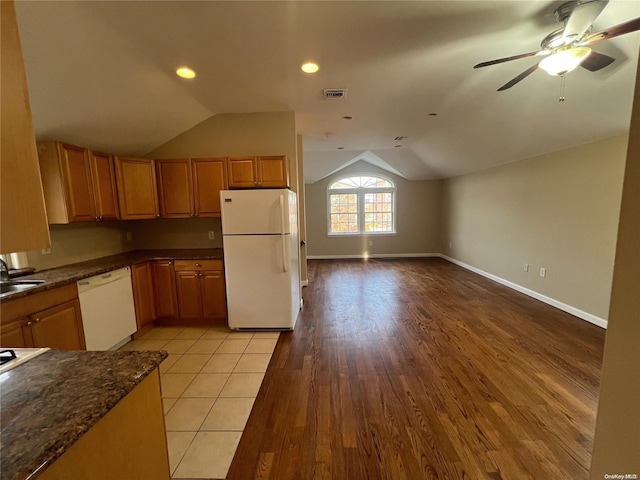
59	276
49	402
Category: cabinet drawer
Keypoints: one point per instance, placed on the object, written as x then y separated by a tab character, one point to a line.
190	265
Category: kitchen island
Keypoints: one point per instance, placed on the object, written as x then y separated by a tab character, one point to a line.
83	415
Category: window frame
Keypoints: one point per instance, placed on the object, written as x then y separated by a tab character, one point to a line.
360	194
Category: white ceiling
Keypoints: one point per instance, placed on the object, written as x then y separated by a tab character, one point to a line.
101	74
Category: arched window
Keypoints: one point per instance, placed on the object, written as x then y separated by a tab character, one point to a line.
361	205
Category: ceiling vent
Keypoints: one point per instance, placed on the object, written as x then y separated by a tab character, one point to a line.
334	93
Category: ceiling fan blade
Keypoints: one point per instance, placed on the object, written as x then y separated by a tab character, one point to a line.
612	32
508	59
597	61
520	77
582	17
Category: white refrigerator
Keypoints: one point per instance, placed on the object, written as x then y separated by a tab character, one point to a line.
261	258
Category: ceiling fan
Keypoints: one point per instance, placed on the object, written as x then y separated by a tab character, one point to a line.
569	47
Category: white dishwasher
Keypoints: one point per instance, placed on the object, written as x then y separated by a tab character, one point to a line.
108	313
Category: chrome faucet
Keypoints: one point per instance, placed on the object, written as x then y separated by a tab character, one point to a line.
4	271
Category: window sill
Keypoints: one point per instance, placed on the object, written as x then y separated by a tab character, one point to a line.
369	234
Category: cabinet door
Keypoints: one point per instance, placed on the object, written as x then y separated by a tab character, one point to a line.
242	172
137	190
143	298
104	186
214	299
13	335
209	177
273	172
189	294
23	221
76	177
59	327
175	188
164	289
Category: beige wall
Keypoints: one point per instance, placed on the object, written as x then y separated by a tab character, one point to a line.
272	133
616	448
558	211
80	242
417	219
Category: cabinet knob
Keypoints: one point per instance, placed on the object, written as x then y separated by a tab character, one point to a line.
36	320
100	217
28	323
198	265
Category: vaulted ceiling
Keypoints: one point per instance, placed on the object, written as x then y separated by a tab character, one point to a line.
101	74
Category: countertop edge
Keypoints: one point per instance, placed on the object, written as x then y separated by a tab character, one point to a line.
111	262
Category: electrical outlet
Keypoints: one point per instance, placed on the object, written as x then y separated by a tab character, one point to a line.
46	251
526	267
212	235
543	272
450	244
371	243
129	236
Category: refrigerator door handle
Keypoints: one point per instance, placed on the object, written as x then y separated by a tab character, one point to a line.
285	263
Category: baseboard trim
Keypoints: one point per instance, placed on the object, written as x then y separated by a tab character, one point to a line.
373	255
600	322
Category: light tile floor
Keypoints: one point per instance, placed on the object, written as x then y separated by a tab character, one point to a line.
209	383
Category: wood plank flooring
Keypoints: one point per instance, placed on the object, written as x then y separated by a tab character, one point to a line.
418	369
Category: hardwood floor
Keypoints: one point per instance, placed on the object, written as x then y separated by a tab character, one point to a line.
418	369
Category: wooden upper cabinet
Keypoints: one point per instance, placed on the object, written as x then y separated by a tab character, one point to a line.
66	182
258	172
104	186
79	185
175	188
273	172
209	177
23	220
242	172
137	189
190	187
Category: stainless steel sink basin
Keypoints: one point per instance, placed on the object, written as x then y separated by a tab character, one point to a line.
14	286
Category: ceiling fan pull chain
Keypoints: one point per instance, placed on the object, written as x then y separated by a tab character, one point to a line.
561	99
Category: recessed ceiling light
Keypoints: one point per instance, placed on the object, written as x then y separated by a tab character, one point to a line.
347	117
433	114
310	67
397	146
185	72
340	148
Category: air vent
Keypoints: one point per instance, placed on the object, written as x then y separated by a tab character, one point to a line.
399	139
334	93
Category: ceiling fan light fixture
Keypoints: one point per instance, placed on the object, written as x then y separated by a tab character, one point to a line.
564	61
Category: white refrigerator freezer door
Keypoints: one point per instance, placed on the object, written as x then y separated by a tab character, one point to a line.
255	211
259	293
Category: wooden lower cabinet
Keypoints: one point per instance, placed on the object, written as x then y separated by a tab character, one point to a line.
200	290
164	289
48	319
59	327
129	442
214	294
143	298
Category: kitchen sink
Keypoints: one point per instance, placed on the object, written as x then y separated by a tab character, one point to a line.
14	286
